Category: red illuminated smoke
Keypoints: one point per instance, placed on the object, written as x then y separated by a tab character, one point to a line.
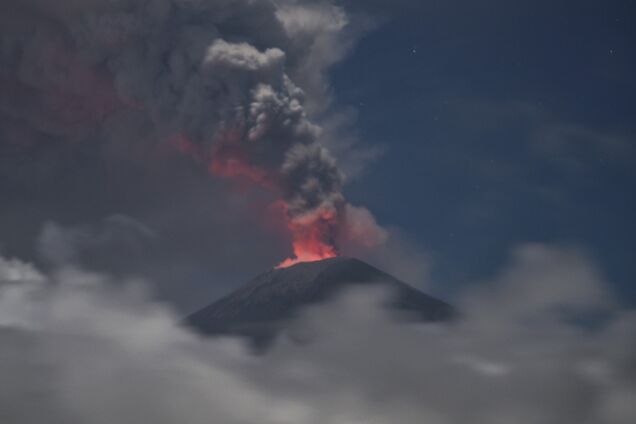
313	235
312	238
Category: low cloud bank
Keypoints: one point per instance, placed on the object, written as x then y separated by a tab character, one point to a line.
544	342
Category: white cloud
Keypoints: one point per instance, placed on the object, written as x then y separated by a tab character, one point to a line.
75	350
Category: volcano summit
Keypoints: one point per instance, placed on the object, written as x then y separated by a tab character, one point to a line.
263	307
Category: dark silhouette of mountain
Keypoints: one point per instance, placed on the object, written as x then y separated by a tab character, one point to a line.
263	306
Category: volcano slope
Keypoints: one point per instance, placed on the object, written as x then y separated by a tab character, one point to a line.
263	307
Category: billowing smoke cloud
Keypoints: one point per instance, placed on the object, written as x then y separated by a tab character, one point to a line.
75	350
215	79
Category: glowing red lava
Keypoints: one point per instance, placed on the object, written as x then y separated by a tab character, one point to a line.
312	239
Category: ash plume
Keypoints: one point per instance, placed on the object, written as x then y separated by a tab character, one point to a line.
215	79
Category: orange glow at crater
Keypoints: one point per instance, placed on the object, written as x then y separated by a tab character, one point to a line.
312	239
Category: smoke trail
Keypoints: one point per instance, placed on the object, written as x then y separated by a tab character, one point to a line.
211	77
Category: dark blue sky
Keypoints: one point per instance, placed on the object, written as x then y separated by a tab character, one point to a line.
502	124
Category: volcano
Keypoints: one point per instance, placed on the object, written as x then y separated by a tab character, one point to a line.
262	308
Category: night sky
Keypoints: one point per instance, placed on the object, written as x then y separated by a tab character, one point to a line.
156	155
502	123
465	128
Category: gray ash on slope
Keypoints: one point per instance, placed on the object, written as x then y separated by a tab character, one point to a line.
263	307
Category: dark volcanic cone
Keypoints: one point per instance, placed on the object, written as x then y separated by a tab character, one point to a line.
263	306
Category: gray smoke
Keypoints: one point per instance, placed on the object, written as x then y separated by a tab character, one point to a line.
99	95
213	77
75	349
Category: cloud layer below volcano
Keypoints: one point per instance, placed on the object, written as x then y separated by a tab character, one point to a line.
75	349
